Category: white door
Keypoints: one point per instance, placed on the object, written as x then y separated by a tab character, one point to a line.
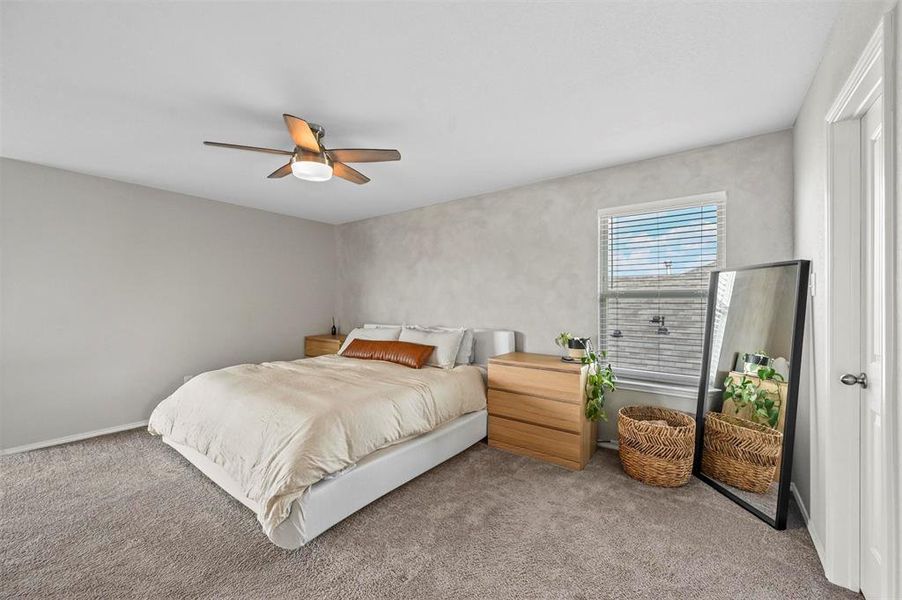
874	450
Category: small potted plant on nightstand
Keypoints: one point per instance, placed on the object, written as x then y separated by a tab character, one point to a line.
562	341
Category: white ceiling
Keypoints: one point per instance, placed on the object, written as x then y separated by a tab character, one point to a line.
477	96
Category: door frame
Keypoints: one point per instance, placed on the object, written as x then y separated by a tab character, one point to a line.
872	76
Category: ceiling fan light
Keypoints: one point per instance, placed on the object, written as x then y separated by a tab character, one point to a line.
311	169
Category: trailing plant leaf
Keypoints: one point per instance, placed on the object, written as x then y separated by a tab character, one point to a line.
763	401
563	338
600	379
766	373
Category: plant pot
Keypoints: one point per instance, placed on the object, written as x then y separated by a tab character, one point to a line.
751	362
576	349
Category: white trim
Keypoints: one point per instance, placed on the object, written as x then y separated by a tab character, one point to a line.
719	196
841	404
873	75
799	503
891	375
860	88
75	437
661	389
815	540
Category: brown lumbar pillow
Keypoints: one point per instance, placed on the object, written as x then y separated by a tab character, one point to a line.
403	353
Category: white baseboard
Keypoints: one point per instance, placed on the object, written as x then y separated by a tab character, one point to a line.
609	444
74	437
799	503
815	538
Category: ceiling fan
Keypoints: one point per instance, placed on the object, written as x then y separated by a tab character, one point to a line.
312	161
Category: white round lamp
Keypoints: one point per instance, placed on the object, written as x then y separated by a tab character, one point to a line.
311	167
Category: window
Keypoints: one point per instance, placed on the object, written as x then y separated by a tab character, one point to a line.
654	265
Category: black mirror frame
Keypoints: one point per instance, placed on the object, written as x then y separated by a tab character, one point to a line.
789	424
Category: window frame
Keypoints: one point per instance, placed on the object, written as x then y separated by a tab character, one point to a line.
635	376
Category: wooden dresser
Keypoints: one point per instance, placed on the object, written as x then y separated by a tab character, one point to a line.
536	408
317	345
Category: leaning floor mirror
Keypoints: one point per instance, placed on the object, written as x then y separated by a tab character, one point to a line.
750	383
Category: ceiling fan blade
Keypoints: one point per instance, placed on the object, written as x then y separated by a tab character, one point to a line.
345	172
252	148
281	171
301	133
358	155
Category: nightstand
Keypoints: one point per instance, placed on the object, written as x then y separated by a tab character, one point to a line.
317	345
536	408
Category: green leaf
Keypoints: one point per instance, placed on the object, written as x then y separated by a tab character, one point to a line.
599	380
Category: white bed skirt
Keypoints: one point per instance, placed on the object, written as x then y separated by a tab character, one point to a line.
334	499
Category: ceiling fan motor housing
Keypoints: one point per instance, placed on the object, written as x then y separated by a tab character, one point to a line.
318	130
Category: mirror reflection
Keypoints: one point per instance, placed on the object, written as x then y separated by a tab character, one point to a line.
746	395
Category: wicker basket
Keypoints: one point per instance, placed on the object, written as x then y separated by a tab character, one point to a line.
740	453
652	453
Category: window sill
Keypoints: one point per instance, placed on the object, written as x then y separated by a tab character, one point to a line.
662	389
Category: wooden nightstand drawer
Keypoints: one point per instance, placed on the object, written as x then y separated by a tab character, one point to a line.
536	408
318	345
546	441
539	411
536	382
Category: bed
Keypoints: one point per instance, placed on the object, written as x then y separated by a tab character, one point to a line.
430	415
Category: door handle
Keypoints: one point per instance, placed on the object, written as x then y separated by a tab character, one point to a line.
861	379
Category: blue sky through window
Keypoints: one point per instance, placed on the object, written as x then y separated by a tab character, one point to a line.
668	242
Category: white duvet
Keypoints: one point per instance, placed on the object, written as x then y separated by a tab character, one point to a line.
278	428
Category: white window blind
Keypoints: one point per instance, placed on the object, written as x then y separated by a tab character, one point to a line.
722	301
654	268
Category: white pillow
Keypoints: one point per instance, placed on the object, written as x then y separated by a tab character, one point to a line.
467	344
375	333
465	355
446	342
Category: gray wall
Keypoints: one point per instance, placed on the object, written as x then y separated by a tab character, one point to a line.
117	291
110	293
525	258
853	28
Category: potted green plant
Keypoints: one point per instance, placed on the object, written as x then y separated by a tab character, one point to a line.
764	402
573	348
600	379
562	341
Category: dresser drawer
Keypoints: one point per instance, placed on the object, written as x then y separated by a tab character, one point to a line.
536	382
319	348
552	442
539	411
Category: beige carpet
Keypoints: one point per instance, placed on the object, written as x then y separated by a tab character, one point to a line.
124	516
